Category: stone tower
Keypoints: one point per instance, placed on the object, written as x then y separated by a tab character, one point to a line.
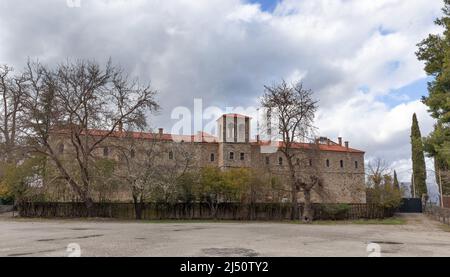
234	141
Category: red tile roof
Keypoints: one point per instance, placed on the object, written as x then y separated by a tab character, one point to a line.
235	115
208	138
199	137
333	147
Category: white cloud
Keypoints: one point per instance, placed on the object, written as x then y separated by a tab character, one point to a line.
224	51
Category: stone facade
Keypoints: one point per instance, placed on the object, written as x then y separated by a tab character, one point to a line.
340	167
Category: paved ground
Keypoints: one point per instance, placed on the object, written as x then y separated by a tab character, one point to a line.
24	237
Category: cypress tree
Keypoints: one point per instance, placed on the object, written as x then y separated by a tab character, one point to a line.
434	51
396	183
418	160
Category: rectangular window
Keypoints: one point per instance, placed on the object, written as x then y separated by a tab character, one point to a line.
231	156
356	164
170	155
267	160
212	157
242	156
342	163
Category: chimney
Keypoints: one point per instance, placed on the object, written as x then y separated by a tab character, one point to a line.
160	131
346	144
340	141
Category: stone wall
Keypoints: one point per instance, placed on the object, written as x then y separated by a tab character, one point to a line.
341	184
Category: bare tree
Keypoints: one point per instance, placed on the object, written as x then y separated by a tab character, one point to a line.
151	168
294	109
12	92
178	158
311	179
376	170
86	104
138	168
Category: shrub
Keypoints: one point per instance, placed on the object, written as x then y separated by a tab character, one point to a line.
334	211
387	197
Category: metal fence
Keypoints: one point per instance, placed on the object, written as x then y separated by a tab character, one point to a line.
411	205
446	201
6	208
438	213
224	211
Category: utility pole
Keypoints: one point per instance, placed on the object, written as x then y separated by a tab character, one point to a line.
440	188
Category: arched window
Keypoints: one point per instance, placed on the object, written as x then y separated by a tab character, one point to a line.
280	161
170	155
61	148
230	130
212	158
241	131
105	151
341	162
328	163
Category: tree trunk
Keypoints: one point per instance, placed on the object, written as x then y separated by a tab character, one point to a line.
294	204
137	207
89	206
307	209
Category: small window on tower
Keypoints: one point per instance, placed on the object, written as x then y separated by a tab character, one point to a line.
242	156
170	155
356	164
280	161
231	156
342	163
212	158
267	160
328	163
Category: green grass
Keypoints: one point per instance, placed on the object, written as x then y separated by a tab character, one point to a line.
386	221
445	228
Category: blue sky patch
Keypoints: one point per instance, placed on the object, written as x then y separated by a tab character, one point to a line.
266	5
411	92
392	66
384	31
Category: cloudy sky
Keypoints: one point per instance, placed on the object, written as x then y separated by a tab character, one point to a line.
356	55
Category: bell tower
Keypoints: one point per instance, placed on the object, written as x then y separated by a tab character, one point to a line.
234	128
234	140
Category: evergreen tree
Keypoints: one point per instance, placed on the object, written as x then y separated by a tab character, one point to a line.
418	160
435	52
396	183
